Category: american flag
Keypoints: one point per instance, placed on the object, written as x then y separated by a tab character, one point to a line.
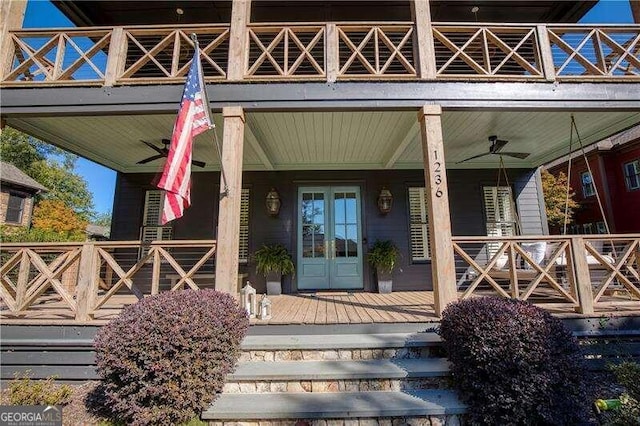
193	119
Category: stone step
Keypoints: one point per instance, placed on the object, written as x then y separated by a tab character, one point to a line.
358	405
340	354
340	370
339	341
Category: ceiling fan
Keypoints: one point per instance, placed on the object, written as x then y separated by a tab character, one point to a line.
163	152
496	148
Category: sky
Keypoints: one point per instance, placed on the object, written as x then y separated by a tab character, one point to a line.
101	180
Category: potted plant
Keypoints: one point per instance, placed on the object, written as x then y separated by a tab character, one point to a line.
383	256
273	261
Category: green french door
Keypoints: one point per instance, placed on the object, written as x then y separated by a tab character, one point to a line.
329	238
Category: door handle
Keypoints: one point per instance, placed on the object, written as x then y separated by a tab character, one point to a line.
326	250
333	249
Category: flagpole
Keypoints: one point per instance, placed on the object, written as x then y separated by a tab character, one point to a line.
225	191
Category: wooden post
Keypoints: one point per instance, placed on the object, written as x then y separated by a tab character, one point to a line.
546	56
229	210
331	49
117	56
426	54
635	10
11	18
23	279
578	268
435	176
87	282
238	49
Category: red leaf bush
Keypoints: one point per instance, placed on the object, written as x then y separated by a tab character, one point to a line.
514	363
165	358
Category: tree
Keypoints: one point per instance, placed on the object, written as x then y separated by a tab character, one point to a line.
102	219
555	198
51	167
55	216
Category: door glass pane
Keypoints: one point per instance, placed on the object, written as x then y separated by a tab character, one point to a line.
313	224
350	207
339	207
339	240
352	241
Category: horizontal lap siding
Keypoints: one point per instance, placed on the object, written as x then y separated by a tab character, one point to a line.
199	222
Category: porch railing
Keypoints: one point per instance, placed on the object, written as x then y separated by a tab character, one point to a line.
587	273
93	281
326	52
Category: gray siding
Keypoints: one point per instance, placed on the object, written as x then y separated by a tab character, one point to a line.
530	204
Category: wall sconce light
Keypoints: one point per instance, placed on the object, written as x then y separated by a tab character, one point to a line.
385	200
273	202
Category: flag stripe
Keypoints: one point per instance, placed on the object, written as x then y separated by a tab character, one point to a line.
193	118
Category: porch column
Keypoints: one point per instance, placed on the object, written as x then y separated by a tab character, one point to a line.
238	51
229	207
435	177
11	18
421	15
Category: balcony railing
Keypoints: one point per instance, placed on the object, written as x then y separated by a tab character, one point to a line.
91	282
325	52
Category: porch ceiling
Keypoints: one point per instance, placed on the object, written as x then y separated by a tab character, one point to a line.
331	140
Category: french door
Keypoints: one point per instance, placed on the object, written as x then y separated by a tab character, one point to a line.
329	238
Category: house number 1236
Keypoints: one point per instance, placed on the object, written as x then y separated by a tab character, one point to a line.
437	173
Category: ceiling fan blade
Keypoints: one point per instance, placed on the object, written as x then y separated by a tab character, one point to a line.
146	160
498	145
520	155
152	146
198	163
475	156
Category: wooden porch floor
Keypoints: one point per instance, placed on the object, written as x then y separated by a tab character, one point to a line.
351	308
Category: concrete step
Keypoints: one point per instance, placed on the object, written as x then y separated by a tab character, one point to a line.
350	405
340	370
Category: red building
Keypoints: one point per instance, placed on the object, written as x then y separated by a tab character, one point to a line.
615	165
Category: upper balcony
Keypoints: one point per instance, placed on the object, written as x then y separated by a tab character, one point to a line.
325	51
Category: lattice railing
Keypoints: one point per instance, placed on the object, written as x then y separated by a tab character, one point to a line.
604	51
286	52
615	265
583	272
376	50
165	54
487	51
94	281
60	56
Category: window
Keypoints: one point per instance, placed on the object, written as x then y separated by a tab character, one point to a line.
588	190
418	224
632	175
243	252
500	214
602	229
15	207
587	228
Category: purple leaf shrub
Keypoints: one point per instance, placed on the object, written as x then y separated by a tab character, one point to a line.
165	358
514	363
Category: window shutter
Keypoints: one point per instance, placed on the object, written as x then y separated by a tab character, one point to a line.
418	224
15	206
151	229
243	251
500	214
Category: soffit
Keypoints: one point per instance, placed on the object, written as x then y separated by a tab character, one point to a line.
331	140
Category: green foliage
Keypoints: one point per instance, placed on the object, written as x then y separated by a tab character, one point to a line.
50	166
628	375
555	194
273	258
25	391
11	234
102	219
383	256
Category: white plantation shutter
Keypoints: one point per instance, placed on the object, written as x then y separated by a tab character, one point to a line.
500	214
419	224
243	251
151	229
